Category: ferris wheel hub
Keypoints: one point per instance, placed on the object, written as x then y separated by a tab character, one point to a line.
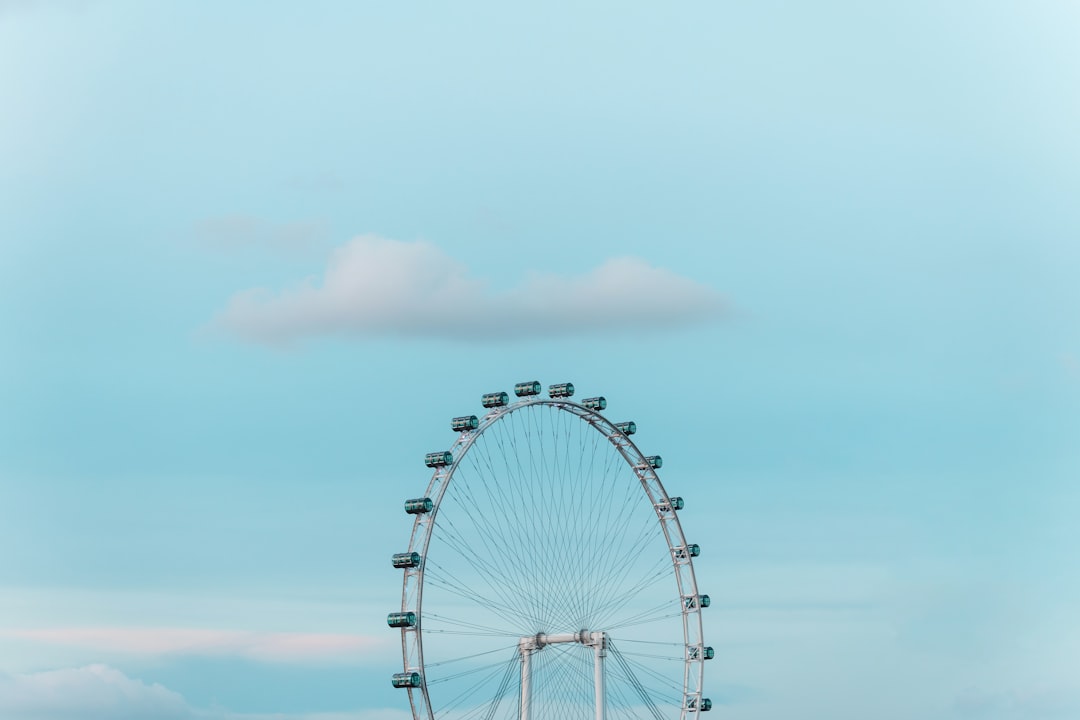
532	643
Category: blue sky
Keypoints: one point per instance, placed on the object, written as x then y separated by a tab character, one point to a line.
858	222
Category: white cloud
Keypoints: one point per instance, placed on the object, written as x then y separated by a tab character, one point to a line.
87	693
99	692
239	232
378	287
262	646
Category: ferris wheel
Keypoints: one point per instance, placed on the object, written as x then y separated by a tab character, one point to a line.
547	576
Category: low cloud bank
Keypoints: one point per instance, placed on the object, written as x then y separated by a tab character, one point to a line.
374	287
261	646
95	692
99	692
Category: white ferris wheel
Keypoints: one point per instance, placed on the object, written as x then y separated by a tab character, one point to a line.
547	576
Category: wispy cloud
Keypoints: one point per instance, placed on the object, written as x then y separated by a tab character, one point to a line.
242	232
265	647
378	287
1025	704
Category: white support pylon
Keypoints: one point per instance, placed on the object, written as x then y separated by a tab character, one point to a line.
533	643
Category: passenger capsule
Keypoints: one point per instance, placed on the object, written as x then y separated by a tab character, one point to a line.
693	549
464	423
419	506
655	461
596	403
706	704
627	428
406	680
677	503
401	619
524	389
438	459
561	390
405	559
696	601
494	400
699	652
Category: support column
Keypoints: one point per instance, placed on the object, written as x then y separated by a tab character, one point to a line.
526	647
599	644
533	644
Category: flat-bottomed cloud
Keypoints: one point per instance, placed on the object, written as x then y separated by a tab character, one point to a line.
375	287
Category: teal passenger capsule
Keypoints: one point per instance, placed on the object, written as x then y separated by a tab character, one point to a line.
561	390
626	428
406	680
655	461
699	652
693	549
438	459
596	403
696	601
706	704
494	400
464	423
677	503
405	559
419	506
524	389
401	619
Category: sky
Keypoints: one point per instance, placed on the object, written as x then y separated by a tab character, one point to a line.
253	256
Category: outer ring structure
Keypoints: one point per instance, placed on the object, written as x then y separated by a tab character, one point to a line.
412	591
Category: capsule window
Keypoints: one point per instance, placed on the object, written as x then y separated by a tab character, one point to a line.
406	680
525	389
419	506
696	601
464	423
438	459
695	704
406	559
495	399
561	390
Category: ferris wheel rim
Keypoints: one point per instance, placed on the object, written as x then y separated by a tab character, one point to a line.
638	462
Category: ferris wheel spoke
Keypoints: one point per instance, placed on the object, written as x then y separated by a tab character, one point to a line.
493	574
646	697
504	686
656	612
461	623
473	689
609	610
503	520
470	657
519	534
505	612
660	685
